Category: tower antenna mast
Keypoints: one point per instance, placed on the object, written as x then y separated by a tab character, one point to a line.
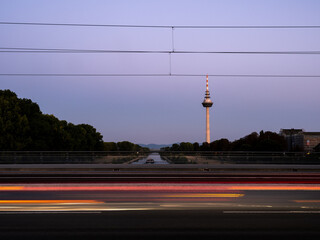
207	103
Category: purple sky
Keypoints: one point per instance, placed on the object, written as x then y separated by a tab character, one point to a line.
167	109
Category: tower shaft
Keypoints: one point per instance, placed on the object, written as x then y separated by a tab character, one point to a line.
207	125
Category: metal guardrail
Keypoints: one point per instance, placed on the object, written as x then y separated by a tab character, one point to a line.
70	157
237	157
120	157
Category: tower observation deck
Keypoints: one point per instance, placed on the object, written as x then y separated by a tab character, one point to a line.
207	103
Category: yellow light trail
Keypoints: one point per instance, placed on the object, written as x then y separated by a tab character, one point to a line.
11	188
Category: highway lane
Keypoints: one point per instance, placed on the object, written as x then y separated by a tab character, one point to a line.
160	190
159	196
159	225
159	177
220	205
155	156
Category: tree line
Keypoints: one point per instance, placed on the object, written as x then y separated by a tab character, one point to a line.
264	141
124	146
23	127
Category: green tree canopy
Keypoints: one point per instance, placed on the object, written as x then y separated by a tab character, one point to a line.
24	127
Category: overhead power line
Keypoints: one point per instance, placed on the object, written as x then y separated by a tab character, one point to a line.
170	52
152	75
156	26
63	50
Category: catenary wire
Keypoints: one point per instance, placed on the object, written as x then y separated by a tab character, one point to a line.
153	74
154	26
17	50
63	50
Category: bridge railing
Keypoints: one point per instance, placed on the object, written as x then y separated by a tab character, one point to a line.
241	157
176	157
70	157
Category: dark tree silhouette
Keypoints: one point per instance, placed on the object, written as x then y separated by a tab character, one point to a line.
24	127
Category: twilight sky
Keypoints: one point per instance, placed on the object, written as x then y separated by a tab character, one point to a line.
165	109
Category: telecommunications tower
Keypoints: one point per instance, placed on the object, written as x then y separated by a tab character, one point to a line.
207	103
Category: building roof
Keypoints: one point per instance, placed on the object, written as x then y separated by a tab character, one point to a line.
290	131
311	133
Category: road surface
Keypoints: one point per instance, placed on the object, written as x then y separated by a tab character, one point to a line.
140	205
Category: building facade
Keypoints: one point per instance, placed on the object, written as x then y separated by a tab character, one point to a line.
299	140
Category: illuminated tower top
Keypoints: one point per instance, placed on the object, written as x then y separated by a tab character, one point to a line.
207	101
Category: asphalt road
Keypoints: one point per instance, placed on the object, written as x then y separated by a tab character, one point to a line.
159	177
160	225
160	205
